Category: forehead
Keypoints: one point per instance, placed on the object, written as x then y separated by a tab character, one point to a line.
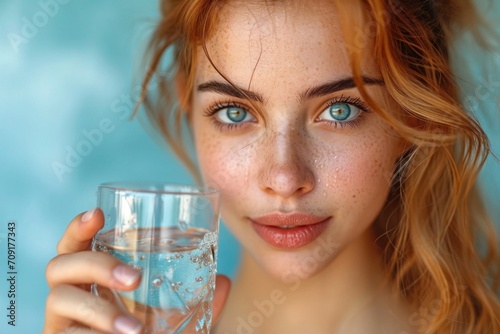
253	39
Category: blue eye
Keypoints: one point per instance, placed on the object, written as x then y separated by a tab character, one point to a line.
234	114
340	112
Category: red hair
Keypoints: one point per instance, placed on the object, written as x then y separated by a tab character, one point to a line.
433	217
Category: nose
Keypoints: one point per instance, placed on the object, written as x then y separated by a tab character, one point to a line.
284	169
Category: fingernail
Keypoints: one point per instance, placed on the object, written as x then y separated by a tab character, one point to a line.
125	275
87	215
126	325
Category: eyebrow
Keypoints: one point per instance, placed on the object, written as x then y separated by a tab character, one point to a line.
338	85
228	89
316	91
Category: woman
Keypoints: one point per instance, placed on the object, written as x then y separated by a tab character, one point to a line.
346	165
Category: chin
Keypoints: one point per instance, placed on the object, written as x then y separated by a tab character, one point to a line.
294	266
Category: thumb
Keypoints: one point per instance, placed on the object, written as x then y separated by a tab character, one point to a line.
80	231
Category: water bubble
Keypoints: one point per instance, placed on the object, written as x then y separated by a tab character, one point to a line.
166	241
189	290
179	255
102	249
175	286
142	257
199	279
157	282
209	239
139	268
200	324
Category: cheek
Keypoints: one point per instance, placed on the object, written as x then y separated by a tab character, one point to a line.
225	165
352	174
358	177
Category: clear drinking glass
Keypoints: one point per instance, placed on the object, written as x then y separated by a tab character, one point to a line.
170	234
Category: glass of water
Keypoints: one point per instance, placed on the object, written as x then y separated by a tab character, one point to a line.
170	234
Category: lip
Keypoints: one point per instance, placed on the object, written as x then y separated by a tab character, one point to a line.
303	228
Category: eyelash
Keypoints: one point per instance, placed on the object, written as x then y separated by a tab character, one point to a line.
357	102
214	109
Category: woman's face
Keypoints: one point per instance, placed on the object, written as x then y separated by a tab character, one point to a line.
303	166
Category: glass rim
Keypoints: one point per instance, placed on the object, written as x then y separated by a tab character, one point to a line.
154	187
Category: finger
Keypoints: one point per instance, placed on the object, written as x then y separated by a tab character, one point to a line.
80	231
222	287
67	304
77	330
91	267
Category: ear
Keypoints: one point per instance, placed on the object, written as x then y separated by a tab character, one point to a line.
183	96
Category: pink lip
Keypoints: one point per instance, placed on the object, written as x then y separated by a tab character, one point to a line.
306	228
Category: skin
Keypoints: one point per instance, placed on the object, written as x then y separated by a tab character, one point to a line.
288	155
287	160
70	307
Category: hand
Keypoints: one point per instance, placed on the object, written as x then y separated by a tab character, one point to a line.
71	308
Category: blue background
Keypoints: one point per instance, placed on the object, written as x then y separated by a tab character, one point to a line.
71	74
